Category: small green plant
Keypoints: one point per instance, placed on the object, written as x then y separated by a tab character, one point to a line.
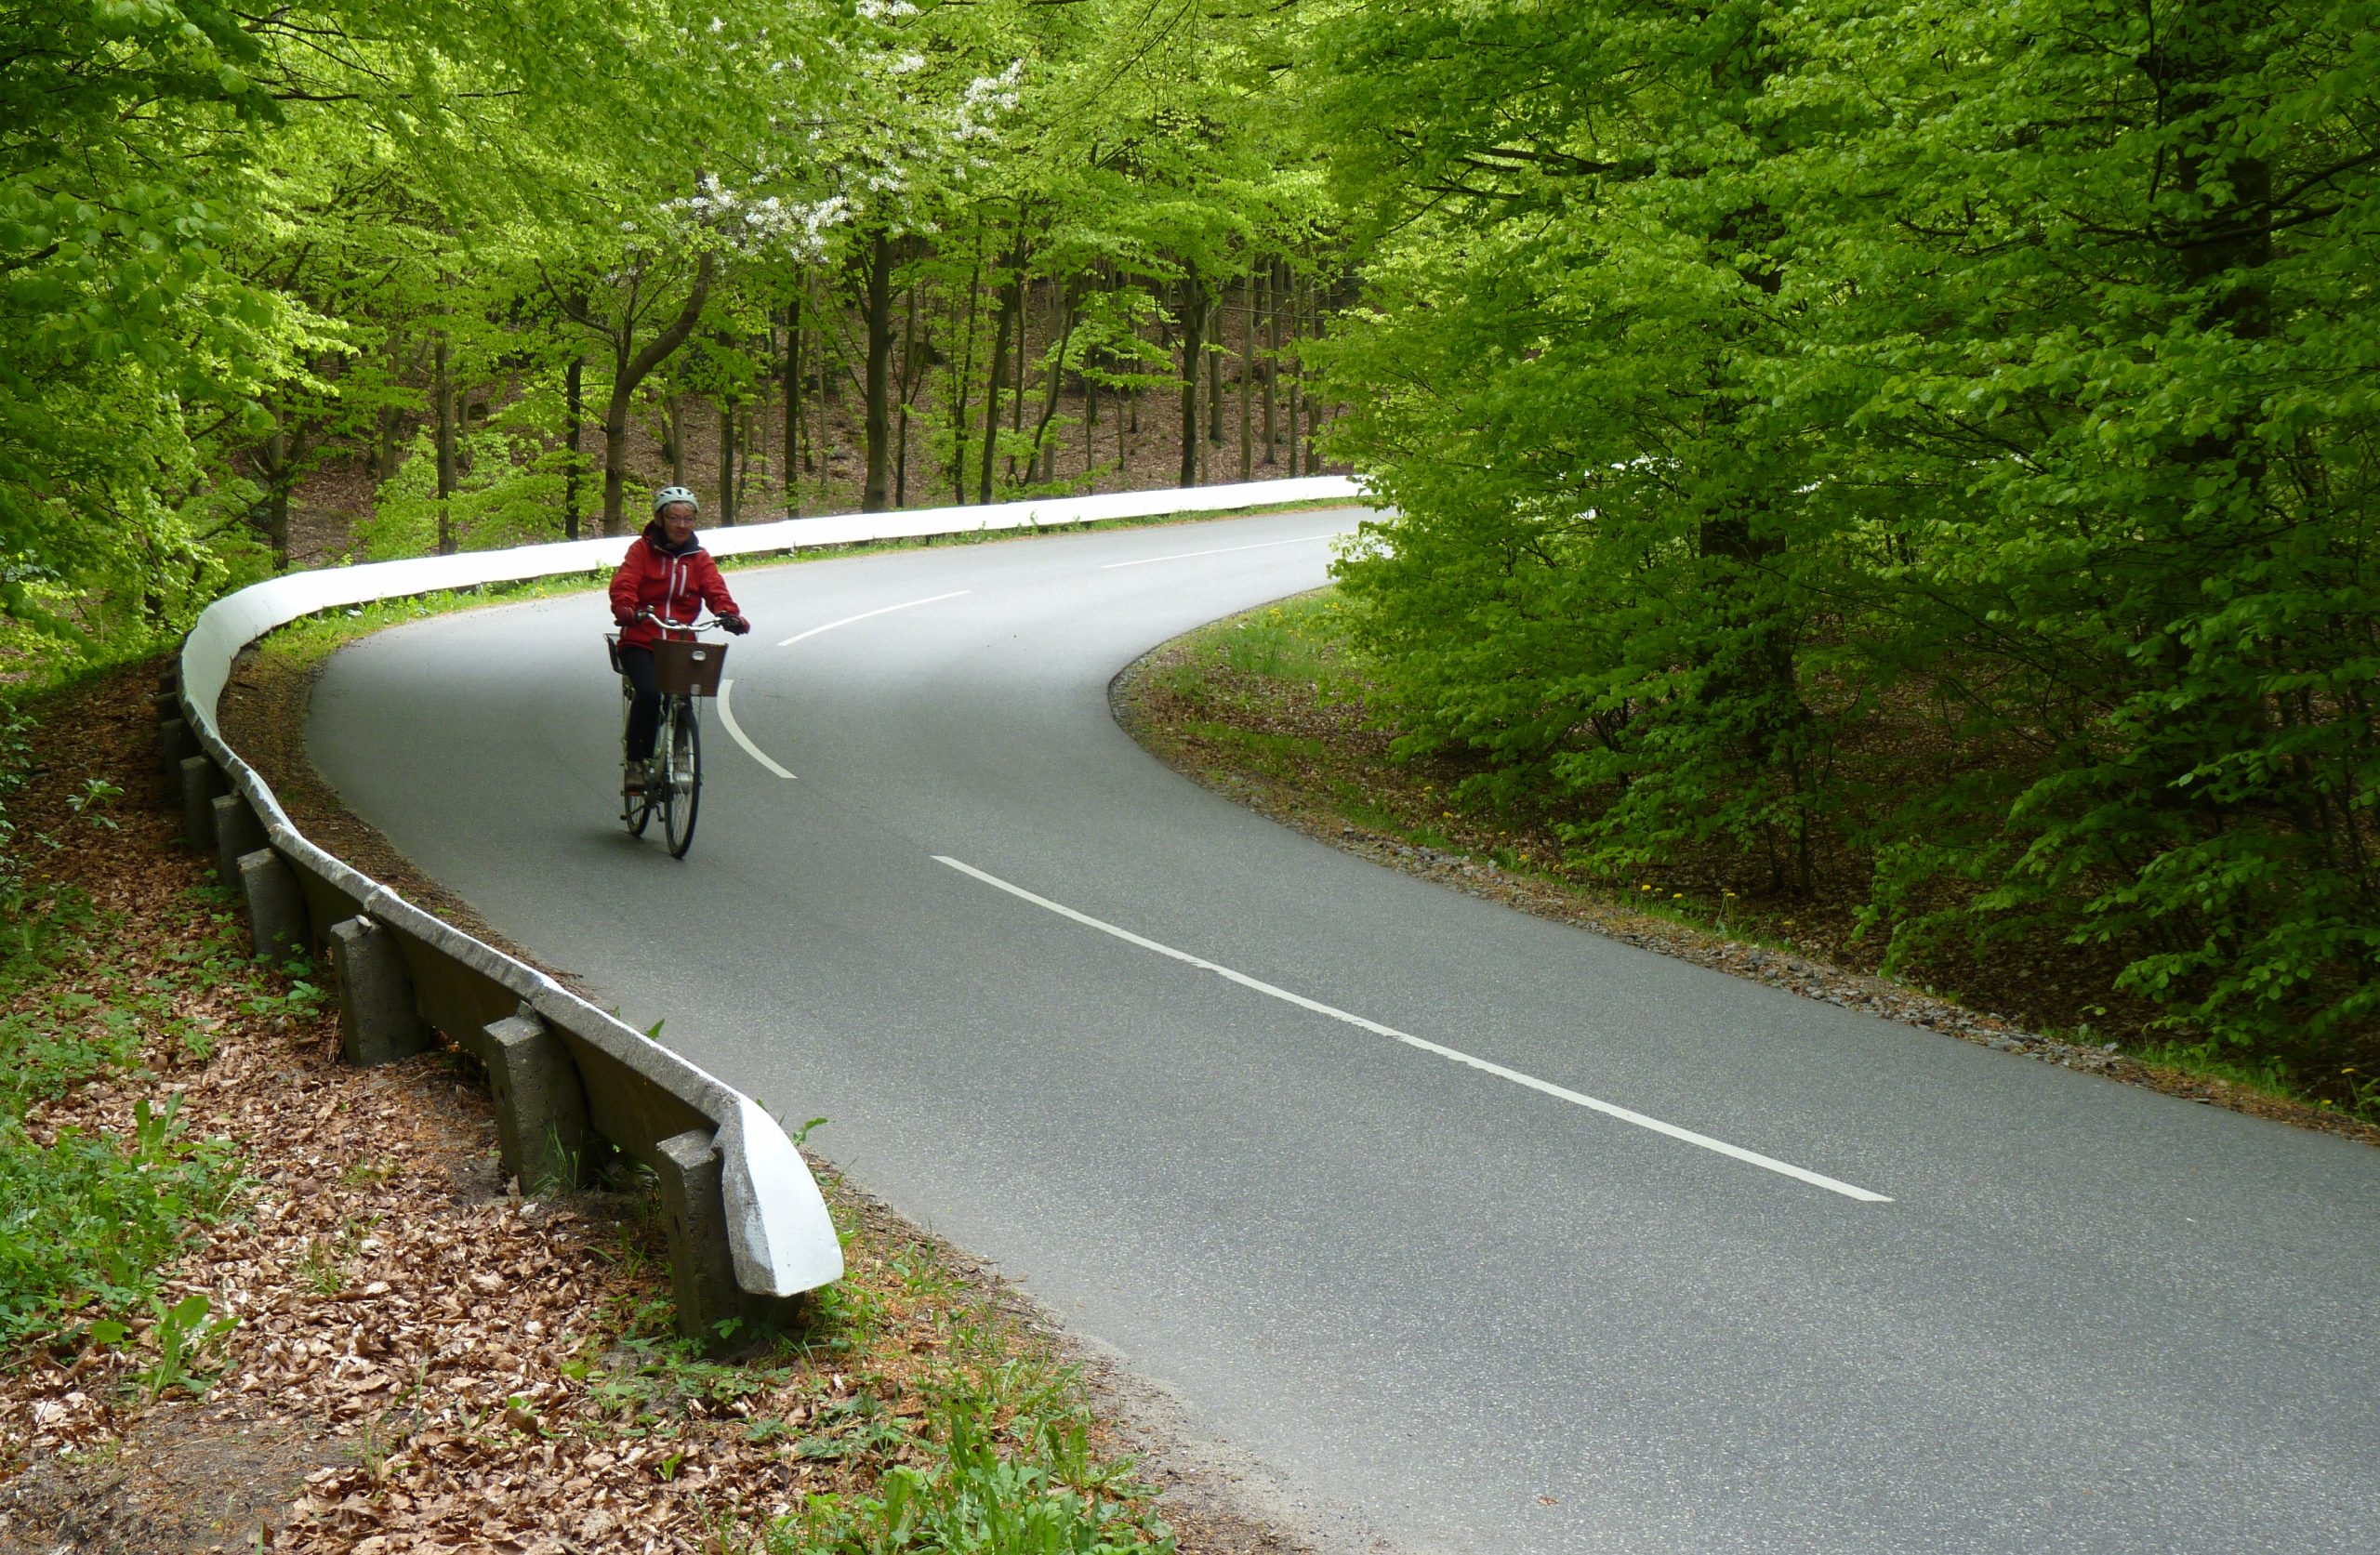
184	1335
370	1174
95	796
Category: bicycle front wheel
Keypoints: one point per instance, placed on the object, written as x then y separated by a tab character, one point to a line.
636	809
685	794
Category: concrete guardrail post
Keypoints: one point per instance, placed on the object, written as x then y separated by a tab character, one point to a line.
541	1120
279	925
176	744
701	1266
238	833
378	1022
201	781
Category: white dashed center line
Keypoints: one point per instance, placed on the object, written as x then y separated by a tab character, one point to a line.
1223	550
870	614
1610	1110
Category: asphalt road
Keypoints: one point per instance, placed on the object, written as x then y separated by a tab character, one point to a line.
1456	1304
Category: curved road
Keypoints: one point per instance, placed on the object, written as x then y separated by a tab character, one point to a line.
1480	1232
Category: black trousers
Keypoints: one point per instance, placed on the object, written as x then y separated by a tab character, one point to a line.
644	712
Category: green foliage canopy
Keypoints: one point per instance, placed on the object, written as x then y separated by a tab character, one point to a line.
1755	381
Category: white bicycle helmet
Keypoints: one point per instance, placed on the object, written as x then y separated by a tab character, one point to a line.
669	495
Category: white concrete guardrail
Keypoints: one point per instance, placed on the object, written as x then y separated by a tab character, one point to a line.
748	1229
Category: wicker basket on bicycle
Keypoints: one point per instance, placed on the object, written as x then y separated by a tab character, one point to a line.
678	668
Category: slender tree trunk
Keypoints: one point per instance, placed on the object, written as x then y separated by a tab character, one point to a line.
276	476
1011	313
1023	345
1247	368
574	395
1272	357
876	311
792	459
962	376
1297	377
1046	452
1194	331
822	438
727	461
1216	315
1090	422
628	372
388	422
443	391
909	377
673	416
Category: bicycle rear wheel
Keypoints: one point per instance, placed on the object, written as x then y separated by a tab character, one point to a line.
685	792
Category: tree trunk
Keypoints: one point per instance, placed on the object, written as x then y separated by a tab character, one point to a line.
908	392
1045	452
389	421
443	391
1247	367
1272	358
1011	313
276	475
628	372
574	407
1215	317
818	369
1297	378
822	438
962	376
793	410
673	422
1024	342
727	461
876	311
1193	330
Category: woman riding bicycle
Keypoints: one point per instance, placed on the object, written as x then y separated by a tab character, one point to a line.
667	579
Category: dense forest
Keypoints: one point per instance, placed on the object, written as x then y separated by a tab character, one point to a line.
1934	436
1936	432
506	270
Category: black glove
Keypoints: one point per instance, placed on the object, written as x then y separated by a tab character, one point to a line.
735	625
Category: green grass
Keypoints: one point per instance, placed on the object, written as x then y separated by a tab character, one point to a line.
1001	1465
1297	642
975	1441
999	1462
88	1220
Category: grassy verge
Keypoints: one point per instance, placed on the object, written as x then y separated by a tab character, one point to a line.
257	1298
91	1211
1272	708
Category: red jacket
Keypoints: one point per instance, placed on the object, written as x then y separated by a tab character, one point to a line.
673	584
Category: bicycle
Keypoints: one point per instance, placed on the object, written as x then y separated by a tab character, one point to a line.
687	671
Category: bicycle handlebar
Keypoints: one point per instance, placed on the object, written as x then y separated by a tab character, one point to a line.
706	624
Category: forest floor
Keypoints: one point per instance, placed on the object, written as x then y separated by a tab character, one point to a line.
1269	709
396	1350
